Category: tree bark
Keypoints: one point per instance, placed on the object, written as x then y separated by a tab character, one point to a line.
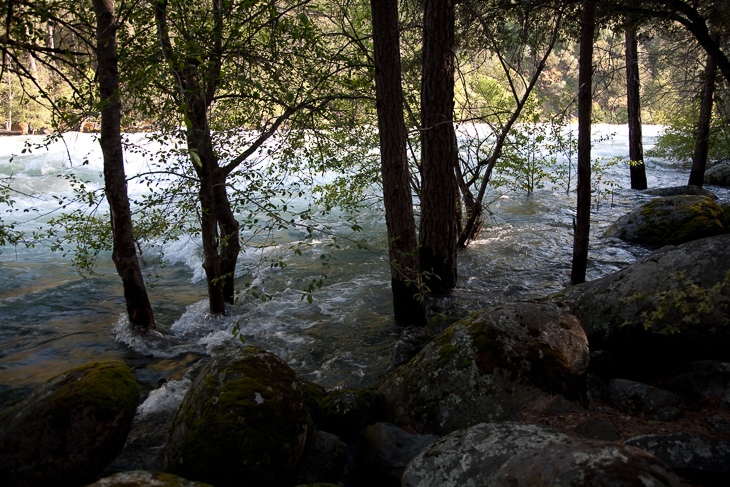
405	272
633	105
124	253
585	102
439	191
699	158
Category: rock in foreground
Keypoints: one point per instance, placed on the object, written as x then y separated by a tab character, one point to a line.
674	287
70	428
489	367
244	419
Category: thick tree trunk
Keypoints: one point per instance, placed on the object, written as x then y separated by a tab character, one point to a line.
633	105
124	253
438	234
402	243
585	102
699	159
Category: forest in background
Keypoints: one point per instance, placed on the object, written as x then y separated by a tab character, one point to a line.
222	84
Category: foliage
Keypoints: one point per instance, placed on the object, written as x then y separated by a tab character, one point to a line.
680	136
685	305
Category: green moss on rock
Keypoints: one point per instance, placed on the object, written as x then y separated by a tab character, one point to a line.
70	428
346	412
244	417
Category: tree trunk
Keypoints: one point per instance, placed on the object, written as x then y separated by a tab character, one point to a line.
699	159
438	233
633	105
206	167
405	272
585	102
124	254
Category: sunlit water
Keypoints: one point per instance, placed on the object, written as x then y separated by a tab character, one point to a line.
52	319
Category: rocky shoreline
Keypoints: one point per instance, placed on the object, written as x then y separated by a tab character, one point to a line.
620	381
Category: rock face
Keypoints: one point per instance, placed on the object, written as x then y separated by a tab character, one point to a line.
473	456
244	417
671	220
323	459
594	463
687	452
346	412
610	309
70	428
388	449
489	367
143	478
718	174
701	380
645	401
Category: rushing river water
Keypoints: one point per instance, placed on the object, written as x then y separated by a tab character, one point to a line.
52	319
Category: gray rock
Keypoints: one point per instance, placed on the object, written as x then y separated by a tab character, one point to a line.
686	451
389	448
645	401
70	428
323	459
597	429
347	412
725	401
719	174
142	478
593	463
610	309
244	417
680	191
670	220
700	380
489	367
472	457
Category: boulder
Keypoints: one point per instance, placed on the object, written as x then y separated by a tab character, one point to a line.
346	412
613	310
489	367
323	460
671	220
474	455
143	478
597	429
594	463
645	401
244	417
697	381
70	428
719	174
388	449
680	191
689	454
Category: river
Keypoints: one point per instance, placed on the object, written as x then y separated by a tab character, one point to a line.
52	318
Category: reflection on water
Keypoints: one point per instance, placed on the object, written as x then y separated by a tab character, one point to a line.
52	319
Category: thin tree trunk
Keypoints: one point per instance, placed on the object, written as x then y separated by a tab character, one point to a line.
200	144
699	159
633	105
124	254
438	234
51	45
585	102
405	272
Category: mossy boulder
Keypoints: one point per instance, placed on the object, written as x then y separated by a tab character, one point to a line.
70	428
244	420
347	412
144	478
489	367
668	308
671	220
